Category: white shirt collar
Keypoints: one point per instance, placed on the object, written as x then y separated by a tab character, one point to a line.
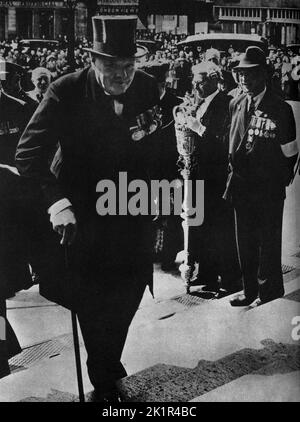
162	94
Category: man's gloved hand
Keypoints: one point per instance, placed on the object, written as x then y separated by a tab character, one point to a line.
65	224
195	125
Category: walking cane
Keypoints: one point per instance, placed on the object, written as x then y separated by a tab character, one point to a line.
75	341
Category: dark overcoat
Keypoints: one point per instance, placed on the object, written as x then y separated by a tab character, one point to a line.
95	144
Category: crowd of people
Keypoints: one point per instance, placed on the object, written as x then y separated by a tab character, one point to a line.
108	118
283	63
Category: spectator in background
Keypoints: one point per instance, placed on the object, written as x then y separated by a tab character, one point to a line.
41	78
286	70
51	66
183	74
33	60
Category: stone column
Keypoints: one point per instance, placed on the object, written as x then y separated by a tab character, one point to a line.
57	23
12	22
35	24
283	34
81	25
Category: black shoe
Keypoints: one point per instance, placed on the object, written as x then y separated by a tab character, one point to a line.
273	296
232	287
211	287
112	396
242	300
222	293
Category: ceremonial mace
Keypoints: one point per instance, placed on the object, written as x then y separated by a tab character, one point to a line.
186	147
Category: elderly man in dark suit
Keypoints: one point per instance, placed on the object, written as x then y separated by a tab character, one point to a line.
263	152
215	244
102	117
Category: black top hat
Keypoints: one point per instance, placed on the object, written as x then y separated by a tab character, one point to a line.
253	57
114	36
11	68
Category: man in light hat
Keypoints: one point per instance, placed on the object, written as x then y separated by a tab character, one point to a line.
215	245
101	118
263	151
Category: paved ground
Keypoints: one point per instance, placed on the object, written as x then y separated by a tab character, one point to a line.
179	348
201	351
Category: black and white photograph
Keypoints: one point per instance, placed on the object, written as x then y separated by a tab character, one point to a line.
149	204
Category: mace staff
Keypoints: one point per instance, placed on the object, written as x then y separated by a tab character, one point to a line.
186	147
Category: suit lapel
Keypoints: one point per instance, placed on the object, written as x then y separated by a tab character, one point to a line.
210	111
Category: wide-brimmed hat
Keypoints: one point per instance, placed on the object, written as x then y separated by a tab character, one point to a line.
10	68
115	36
253	57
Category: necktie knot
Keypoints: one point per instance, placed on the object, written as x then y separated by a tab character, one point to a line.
39	97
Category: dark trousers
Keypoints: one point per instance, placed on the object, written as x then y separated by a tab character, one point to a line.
259	231
104	322
215	243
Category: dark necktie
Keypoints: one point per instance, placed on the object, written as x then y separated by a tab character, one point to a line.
251	110
39	97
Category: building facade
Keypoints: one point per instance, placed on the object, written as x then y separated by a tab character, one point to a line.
278	20
38	19
176	16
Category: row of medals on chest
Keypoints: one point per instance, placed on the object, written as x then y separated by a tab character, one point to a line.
261	127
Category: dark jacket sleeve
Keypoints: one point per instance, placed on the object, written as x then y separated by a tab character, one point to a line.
38	144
